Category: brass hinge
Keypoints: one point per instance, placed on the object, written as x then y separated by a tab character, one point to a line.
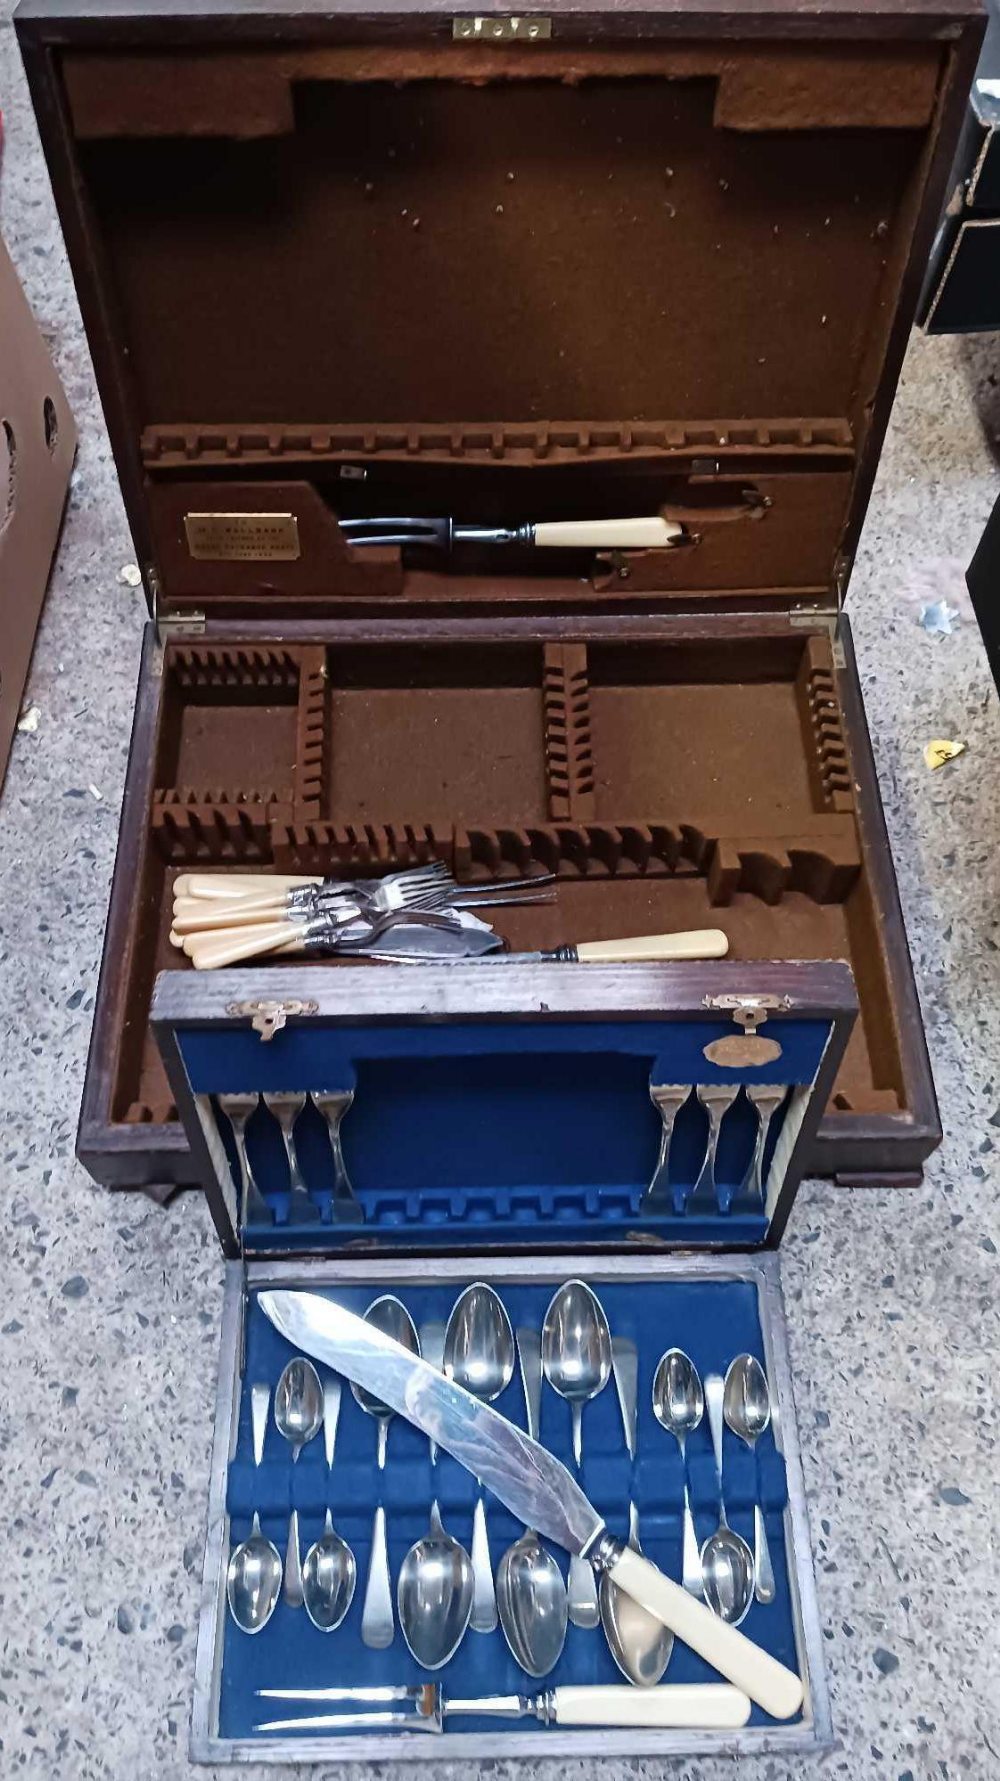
817	618
749	1012
268	1018
527	28
170	624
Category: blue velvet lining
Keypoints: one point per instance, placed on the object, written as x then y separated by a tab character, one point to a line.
712	1321
496	1132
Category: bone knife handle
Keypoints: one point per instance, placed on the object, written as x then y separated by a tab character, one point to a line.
777	1689
701	943
713	1705
651	532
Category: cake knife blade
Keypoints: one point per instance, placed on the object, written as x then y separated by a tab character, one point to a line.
534	1485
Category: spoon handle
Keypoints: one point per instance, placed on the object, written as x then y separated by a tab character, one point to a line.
484	1601
763	1568
293	1564
582	1591
331	1416
714	1396
625	1366
691	1572
377	1628
529	1354
260	1398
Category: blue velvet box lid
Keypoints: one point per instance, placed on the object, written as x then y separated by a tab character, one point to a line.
505	1106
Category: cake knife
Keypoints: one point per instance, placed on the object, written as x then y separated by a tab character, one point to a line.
534	1485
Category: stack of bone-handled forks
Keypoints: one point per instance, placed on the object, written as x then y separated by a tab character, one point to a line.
222	918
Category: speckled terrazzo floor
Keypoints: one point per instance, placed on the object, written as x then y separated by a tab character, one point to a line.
108	1327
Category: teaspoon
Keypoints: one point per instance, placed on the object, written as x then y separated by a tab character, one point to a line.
435	1595
726	1559
253	1581
329	1576
576	1361
479	1354
747	1407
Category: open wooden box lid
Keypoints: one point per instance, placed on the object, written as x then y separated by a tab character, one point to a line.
662	258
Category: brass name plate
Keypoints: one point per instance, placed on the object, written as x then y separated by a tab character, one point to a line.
743	1051
242	537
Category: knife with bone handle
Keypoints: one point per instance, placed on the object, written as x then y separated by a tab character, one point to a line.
534	1485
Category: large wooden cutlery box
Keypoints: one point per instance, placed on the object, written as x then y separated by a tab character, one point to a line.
657	259
649	259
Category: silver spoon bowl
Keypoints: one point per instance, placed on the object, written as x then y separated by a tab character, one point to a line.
727	1575
576	1350
434	1596
298	1403
253	1581
389	1315
329	1576
533	1605
479	1343
639	1643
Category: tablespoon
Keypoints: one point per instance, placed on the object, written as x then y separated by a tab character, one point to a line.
479	1354
576	1361
298	1413
435	1588
639	1643
253	1581
435	1595
531	1594
747	1407
726	1560
389	1315
329	1576
679	1405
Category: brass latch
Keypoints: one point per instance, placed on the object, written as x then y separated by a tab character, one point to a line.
749	1012
530	28
268	1018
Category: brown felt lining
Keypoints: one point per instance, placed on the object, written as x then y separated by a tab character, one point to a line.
523	254
671	785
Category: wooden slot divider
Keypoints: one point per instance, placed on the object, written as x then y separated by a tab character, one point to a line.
312	737
823	731
569	754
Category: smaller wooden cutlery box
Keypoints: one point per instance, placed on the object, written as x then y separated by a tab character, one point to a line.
529	1138
651	261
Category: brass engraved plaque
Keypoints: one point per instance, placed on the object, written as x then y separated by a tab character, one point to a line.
242	537
742	1051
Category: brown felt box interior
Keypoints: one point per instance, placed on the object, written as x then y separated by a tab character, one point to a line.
668	786
343	271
